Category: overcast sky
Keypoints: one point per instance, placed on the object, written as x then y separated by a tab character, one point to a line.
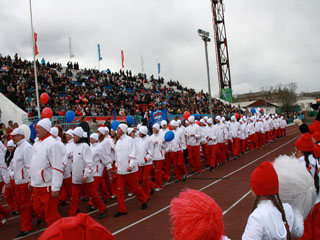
270	42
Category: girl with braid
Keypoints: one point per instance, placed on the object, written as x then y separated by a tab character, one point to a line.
305	154
270	219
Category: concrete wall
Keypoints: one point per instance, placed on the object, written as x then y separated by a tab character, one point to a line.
10	111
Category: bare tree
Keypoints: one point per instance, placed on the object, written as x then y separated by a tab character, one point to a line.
286	96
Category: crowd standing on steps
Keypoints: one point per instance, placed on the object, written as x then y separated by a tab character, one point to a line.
127	160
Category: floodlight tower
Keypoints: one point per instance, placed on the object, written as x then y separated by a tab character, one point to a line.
223	63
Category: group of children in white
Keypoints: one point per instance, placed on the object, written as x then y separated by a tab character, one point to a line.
51	172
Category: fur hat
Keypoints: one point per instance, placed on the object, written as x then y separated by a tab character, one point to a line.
296	185
195	215
264	180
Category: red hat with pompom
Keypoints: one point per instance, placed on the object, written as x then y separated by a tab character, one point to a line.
80	227
264	180
305	143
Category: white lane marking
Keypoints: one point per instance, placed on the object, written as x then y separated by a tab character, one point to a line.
166	207
236	203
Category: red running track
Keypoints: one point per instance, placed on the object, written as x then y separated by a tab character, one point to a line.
229	185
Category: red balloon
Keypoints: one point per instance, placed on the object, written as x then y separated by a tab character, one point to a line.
47	113
186	115
236	115
261	110
241	115
169	126
44	98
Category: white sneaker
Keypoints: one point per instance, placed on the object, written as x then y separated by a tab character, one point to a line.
130	194
3	221
114	196
158	189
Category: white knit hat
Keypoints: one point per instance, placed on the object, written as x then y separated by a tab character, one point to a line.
17	131
156	126
130	130
70	132
143	130
54	131
102	130
78	131
233	118
11	144
218	118
190	119
174	123
123	127
163	122
206	118
94	136
210	121
45	123
106	129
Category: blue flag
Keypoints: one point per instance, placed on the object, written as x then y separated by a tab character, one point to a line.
99	53
157	116
158	68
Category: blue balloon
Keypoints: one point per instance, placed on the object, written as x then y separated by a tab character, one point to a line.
114	125
70	116
130	120
195	116
169	136
253	110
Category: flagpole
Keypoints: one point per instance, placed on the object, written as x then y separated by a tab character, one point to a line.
34	63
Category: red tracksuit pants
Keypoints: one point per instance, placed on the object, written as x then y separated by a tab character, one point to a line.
144	175
213	151
66	189
100	187
251	139
205	152
283	132
194	158
131	180
243	145
10	196
236	147
221	153
312	225
107	182
179	167
159	174
89	190
114	184
4	213
25	206
46	203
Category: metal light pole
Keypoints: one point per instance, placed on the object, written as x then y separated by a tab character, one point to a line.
205	37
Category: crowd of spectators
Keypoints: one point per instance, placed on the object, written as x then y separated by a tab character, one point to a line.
89	92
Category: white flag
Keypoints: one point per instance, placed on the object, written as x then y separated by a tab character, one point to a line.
70	48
